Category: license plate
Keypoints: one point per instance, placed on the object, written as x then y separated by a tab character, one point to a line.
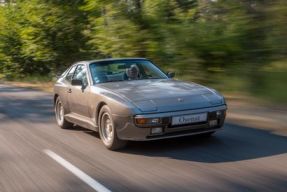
189	119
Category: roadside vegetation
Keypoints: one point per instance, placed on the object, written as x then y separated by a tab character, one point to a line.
234	46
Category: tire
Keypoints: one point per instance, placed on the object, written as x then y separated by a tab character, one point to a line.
60	113
108	131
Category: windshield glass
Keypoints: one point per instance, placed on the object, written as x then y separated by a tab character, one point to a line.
124	70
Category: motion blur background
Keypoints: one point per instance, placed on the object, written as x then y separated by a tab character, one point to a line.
235	46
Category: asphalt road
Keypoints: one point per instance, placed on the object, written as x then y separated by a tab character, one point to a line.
237	158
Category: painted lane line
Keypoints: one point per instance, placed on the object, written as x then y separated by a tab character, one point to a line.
77	172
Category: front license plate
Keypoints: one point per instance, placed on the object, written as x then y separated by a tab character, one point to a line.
189	119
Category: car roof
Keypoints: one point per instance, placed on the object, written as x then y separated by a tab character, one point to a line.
111	59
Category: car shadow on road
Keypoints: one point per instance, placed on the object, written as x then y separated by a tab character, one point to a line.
87	131
234	143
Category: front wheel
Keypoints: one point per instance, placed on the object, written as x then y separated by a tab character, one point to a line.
107	130
60	115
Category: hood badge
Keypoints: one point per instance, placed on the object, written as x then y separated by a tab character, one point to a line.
180	99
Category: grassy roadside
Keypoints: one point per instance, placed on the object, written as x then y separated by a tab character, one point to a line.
42	86
42	83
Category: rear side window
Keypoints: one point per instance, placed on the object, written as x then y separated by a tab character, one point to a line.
70	74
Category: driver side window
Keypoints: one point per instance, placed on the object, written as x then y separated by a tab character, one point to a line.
81	74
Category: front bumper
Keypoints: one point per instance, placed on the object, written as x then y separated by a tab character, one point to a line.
127	130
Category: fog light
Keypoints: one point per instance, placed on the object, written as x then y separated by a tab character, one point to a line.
157	130
213	123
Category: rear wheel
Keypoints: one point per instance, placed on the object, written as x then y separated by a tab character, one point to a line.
108	132
60	115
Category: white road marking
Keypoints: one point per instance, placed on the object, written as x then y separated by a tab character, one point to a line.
77	172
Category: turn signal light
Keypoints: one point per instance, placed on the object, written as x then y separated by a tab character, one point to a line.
141	121
147	121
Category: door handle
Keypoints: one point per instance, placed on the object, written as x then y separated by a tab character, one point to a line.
69	91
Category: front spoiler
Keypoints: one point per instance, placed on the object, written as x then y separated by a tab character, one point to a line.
127	130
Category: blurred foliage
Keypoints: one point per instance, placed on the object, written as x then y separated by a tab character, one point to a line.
232	45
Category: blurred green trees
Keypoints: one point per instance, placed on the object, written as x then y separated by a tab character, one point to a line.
232	45
38	37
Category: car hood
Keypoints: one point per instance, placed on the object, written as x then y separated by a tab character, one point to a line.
165	94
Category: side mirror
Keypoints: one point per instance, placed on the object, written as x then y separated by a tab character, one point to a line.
58	75
77	82
170	74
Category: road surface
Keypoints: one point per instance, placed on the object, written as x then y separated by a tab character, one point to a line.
238	158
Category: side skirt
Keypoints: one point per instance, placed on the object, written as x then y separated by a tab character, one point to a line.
81	121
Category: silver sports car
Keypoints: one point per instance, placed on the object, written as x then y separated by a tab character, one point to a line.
133	99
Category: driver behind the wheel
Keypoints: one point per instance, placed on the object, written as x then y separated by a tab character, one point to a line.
133	72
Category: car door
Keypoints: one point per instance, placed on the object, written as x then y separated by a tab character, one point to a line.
79	95
65	87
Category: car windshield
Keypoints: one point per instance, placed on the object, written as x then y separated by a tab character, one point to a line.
124	70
